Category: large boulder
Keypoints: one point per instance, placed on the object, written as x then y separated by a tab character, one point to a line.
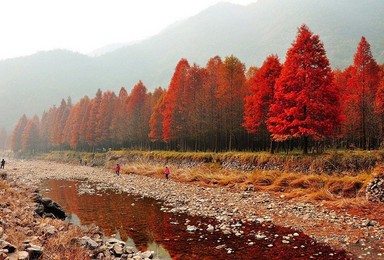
3	175
375	190
47	208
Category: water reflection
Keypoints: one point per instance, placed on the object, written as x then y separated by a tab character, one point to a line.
141	223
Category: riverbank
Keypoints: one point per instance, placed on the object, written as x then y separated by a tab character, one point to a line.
31	226
361	236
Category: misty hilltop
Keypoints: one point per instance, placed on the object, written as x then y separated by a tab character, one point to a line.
34	83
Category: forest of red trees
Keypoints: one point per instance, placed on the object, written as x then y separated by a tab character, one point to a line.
301	104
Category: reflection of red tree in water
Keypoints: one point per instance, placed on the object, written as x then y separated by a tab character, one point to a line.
144	222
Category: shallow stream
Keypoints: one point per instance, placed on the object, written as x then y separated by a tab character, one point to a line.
146	224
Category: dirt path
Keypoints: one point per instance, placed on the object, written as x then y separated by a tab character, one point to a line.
360	236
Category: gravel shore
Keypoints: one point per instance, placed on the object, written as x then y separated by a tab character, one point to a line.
360	236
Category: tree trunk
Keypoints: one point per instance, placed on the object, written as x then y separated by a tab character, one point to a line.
305	145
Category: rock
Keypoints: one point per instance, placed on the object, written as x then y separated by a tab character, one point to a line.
7	246
221	247
50	230
117	249
375	190
48	208
260	236
129	250
147	254
191	228
3	175
210	228
22	255
34	251
88	242
112	241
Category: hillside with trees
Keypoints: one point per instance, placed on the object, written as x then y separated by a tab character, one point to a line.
249	33
299	104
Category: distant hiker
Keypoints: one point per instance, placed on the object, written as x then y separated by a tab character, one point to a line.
117	169
81	161
85	162
2	164
166	171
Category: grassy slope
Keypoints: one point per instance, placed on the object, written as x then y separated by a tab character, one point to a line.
339	176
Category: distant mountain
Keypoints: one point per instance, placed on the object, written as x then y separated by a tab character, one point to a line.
34	83
109	48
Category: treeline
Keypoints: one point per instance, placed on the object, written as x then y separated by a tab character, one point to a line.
220	107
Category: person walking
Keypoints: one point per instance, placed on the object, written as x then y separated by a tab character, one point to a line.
2	164
117	169
167	172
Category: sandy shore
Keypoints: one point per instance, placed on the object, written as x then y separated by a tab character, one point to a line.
360	236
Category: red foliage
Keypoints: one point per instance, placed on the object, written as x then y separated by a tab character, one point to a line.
17	133
231	93
194	102
262	88
214	71
92	123
118	124
104	117
30	136
360	95
156	120
77	135
174	113
138	113
306	102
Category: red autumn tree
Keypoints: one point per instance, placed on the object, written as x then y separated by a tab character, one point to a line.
30	137
77	136
138	112
45	129
156	119
261	87
118	129
72	130
214	71
379	108
231	93
60	119
360	96
17	134
306	102
175	113
92	123
104	119
194	101
341	79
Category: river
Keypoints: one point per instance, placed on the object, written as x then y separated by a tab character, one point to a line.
145	224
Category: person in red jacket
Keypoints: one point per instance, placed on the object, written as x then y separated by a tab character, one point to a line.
166	171
117	169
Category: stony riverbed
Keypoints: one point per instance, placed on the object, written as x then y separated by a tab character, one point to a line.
362	237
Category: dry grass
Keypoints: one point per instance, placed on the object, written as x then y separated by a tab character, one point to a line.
61	246
20	225
3	186
146	169
350	203
329	176
311	187
321	195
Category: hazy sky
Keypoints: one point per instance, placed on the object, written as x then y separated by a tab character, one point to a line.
28	26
